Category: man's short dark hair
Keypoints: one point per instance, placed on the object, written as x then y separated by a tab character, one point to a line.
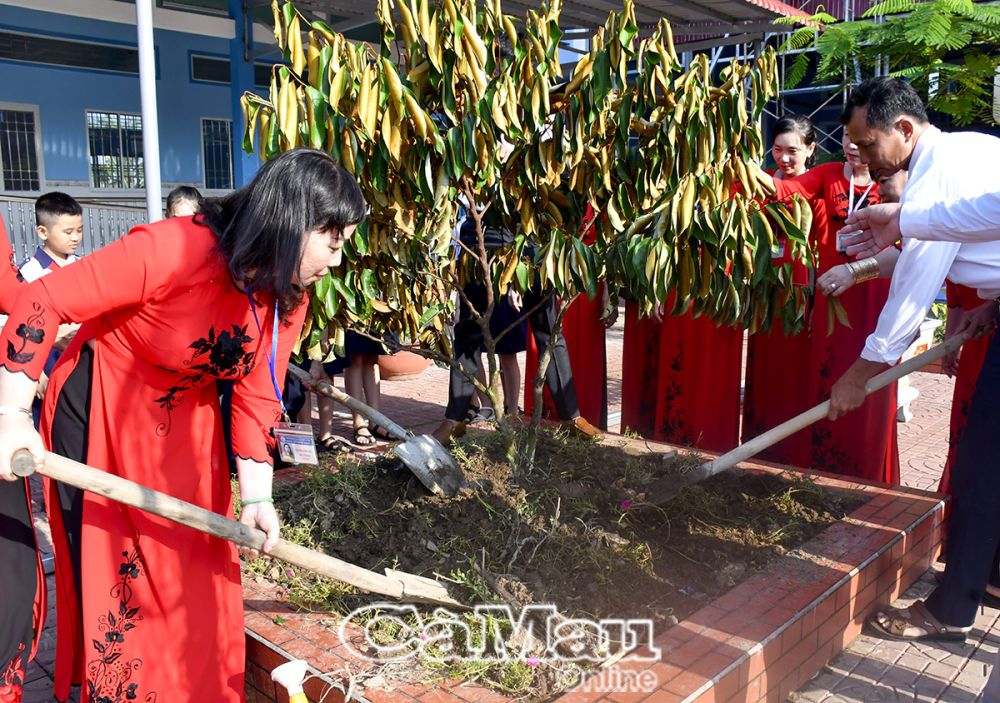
887	99
53	205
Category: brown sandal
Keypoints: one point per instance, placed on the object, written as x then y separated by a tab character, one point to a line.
898	624
363	437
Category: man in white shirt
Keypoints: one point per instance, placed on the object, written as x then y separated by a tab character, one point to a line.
889	124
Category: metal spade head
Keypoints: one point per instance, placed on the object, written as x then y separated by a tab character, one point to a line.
432	464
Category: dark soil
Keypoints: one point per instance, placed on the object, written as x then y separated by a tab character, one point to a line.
571	530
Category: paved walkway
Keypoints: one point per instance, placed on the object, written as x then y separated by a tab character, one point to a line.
870	670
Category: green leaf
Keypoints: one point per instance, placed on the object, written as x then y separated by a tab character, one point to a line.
345	292
889	7
601	76
469	141
429	314
369	286
799	39
331	300
521	274
360	238
379	168
798	71
456	148
317	125
288	13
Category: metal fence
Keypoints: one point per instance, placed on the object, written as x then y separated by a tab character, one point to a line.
101	224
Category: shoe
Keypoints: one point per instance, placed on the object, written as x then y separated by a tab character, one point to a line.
914	624
579	426
448	431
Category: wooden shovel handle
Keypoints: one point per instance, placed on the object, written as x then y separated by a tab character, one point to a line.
366	411
405	587
673	485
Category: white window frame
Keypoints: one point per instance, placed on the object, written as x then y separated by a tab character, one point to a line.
40	154
90	163
204	163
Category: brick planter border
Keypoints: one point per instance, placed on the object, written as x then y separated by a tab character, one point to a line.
758	642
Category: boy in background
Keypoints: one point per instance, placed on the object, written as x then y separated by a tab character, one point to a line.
59	223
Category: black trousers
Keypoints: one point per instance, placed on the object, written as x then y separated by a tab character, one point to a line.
70	428
973	548
469	338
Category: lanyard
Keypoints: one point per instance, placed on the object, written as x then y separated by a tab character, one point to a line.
274	348
851	205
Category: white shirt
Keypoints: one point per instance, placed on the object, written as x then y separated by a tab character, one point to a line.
973	219
943	167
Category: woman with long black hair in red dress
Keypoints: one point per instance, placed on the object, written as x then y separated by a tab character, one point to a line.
862	444
777	360
149	610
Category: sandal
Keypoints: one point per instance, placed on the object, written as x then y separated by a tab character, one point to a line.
484	414
363	437
914	624
333	445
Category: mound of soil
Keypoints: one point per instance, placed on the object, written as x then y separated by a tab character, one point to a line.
571	529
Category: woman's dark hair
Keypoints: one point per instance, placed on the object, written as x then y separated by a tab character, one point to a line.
181	193
801	125
887	99
261	227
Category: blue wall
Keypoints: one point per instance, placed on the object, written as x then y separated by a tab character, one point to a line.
64	94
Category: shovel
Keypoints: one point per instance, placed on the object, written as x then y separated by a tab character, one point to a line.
424	455
664	489
395	584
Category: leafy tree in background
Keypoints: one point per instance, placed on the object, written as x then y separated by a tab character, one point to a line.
948	49
462	100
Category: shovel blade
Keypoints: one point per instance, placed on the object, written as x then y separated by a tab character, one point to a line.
432	464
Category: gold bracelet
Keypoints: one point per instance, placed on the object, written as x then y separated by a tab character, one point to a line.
865	270
869	269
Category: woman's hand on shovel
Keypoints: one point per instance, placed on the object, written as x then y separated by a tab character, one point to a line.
18	432
264	517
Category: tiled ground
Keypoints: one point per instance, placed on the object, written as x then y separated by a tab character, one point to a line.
870	670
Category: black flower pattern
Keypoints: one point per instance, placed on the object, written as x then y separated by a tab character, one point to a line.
217	355
32	331
109	674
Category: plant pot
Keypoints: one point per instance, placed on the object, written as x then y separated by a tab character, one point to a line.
402	366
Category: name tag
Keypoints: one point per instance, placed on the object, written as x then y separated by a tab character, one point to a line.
295	443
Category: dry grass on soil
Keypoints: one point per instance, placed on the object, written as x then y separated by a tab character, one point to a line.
571	530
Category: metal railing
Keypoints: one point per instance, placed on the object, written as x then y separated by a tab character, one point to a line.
102	224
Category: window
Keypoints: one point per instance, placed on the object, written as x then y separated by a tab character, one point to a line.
215	69
217	145
115	150
17	46
18	150
210	69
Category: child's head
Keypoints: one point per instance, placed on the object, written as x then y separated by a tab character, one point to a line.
890	188
183	201
59	222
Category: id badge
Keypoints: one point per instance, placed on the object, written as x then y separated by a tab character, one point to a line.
845	240
778	250
295	443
